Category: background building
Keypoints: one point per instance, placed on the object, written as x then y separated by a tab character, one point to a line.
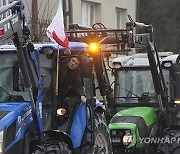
112	13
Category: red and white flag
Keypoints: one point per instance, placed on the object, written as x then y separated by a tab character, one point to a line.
56	31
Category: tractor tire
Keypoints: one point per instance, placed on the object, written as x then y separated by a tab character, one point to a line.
53	147
27	140
102	141
172	144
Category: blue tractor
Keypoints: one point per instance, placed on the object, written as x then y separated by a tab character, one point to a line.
84	127
21	84
28	95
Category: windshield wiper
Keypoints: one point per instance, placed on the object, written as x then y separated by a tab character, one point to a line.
12	97
130	92
6	92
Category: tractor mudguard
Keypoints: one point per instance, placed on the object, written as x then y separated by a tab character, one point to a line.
79	123
59	135
78	126
54	141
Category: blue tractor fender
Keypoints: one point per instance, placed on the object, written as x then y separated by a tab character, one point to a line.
79	123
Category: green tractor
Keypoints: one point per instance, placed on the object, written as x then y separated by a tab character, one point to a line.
136	104
145	99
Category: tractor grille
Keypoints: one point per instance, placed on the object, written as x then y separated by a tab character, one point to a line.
117	137
139	121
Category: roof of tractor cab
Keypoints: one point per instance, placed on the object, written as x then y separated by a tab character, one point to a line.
136	60
74	46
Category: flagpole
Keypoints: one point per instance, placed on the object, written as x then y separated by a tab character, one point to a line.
56	32
57	70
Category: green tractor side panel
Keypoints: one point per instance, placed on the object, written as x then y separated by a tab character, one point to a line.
147	113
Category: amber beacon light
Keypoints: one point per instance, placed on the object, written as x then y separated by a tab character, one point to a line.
93	48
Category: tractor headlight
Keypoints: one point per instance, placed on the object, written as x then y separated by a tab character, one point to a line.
61	111
1	141
177	101
116	140
129	140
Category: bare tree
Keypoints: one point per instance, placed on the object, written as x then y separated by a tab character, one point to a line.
34	17
40	12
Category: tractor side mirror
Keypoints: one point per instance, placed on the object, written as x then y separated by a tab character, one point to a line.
87	67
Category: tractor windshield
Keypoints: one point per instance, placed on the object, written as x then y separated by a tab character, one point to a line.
11	81
133	85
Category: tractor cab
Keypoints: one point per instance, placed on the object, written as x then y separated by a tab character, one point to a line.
133	80
12	87
50	61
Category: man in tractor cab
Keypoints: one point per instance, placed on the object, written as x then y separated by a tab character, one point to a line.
70	80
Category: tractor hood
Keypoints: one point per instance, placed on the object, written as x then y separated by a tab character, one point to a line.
10	111
137	121
147	113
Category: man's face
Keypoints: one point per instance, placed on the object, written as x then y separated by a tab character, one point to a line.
73	63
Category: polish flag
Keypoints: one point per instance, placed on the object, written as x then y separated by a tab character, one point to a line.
56	31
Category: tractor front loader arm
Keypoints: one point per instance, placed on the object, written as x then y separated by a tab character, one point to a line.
147	40
13	29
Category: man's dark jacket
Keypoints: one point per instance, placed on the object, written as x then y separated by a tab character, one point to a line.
70	81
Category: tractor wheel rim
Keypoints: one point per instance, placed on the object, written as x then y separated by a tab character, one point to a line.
101	142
